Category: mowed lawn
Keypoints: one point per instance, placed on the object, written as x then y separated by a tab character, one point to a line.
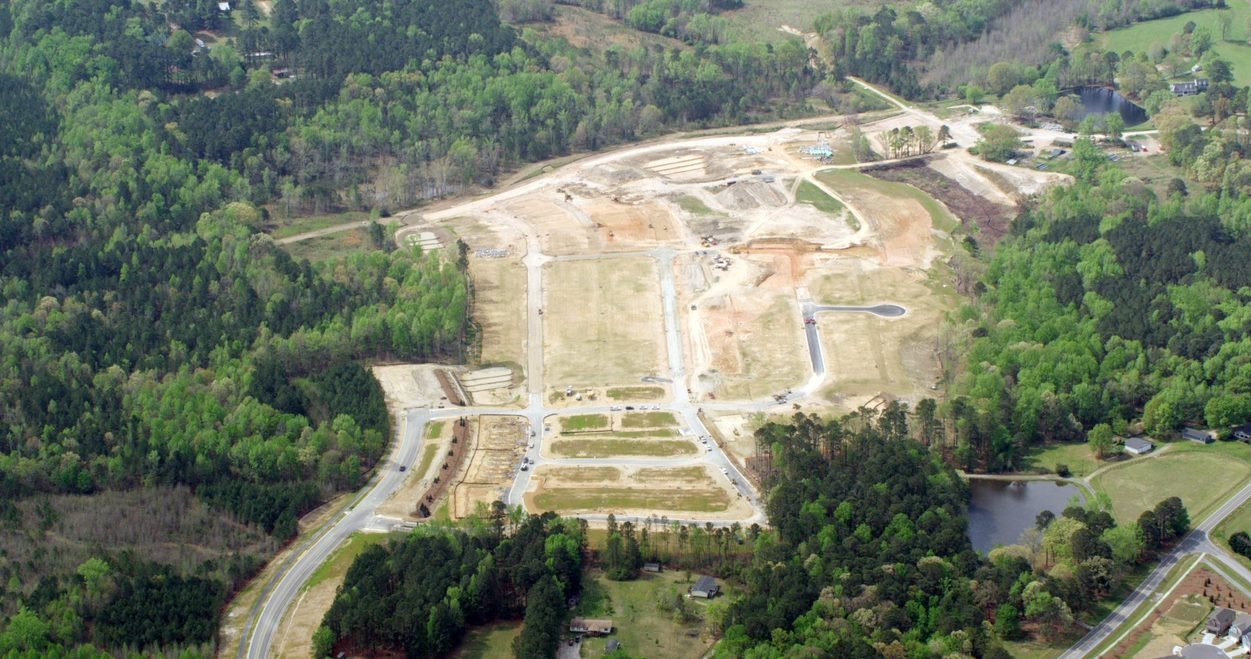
1077	457
1138	38
1240	520
641	625
489	641
1203	476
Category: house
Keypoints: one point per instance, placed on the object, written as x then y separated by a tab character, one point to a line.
1196	435
653	567
1220	620
1189	88
1241	626
1138	445
223	6
1243	432
705	587
594	626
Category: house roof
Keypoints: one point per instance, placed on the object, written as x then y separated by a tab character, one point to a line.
1223	615
593	625
1243	622
1197	83
613	645
1244	428
705	584
1139	444
1195	433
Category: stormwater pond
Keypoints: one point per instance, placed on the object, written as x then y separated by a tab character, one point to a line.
999	510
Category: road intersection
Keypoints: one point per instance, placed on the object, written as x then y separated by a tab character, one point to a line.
1198	541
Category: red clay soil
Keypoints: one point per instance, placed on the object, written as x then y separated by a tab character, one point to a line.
1199	582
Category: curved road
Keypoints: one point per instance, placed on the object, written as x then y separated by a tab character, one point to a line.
1197	541
811	331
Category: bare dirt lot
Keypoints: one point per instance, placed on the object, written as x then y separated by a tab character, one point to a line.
756	341
410	385
622	226
499	308
602	322
866	355
498	443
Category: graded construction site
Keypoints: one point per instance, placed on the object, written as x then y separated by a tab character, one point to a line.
723	280
639	313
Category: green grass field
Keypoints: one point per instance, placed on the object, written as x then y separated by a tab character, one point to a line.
604	448
342	558
694	206
1202	476
816	197
579	422
648	420
636	393
839	178
489	641
1077	456
1138	38
642	626
298	225
1240	520
427	457
615	498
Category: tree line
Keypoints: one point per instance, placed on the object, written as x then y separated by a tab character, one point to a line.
419	594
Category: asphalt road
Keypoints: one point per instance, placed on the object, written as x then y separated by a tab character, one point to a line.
813	333
1194	542
278	595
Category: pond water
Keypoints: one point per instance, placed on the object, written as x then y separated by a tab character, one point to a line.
1101	100
1000	510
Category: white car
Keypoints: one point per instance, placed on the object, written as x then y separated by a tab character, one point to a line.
725	471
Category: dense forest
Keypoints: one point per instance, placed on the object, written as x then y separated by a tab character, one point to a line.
417	595
1111	306
867	555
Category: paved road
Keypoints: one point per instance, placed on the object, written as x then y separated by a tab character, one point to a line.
1197	541
812	331
277	596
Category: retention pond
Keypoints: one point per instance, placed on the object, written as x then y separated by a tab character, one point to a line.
999	510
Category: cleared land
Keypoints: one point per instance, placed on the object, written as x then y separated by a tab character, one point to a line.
636	393
612	447
902	216
756	343
643	627
602	325
332	245
498	442
298	225
1202	476
1077	457
1237	51
648	420
1240	520
579	422
499	308
866	355
676	490
817	198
